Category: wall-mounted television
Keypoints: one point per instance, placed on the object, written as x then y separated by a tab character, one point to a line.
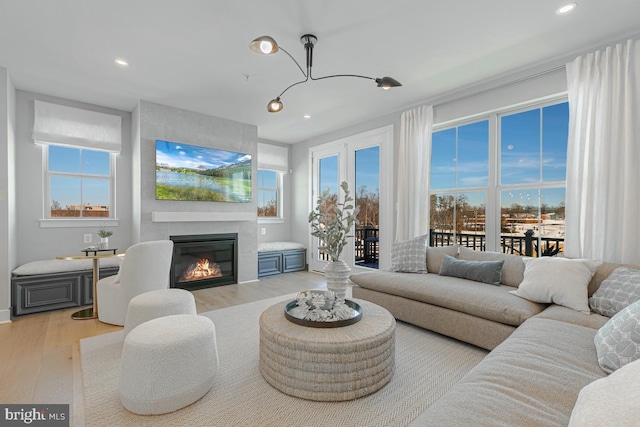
188	172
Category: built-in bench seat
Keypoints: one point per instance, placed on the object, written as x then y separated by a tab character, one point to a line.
281	257
53	284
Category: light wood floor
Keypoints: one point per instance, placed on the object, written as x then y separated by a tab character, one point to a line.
39	353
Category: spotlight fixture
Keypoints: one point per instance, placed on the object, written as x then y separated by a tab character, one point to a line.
266	45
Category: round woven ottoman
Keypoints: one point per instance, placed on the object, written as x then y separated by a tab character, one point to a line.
328	364
154	304
167	364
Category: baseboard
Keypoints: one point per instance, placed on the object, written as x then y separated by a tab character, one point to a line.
248	281
5	316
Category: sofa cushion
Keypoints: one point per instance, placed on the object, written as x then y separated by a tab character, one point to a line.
531	379
610	401
564	314
478	271
512	270
557	280
410	256
474	298
616	292
434	256
618	341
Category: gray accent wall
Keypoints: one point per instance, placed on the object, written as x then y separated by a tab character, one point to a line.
155	121
8	237
36	242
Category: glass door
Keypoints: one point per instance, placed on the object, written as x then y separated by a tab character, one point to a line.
327	176
365	162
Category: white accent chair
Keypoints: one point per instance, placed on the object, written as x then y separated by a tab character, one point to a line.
145	268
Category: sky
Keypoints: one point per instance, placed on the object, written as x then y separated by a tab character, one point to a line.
367	171
68	190
533	150
190	156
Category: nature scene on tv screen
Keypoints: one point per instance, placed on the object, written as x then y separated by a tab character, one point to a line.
187	172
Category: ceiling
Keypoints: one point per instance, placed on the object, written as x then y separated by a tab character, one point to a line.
193	54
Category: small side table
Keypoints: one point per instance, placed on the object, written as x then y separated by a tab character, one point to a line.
98	254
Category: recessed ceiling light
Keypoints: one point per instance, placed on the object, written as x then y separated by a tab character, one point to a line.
566	8
121	62
307	116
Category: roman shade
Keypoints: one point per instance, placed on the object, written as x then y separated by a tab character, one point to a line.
273	158
62	125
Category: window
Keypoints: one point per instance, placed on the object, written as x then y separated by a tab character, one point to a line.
269	194
459	182
79	183
519	208
533	168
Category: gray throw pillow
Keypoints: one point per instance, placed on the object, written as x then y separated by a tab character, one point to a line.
410	256
618	341
479	271
618	291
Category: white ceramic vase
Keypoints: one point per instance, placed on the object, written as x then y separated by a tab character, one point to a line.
104	243
337	275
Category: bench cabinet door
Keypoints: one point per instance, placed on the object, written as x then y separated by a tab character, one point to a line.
33	295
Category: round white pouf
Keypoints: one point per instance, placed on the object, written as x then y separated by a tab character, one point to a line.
167	364
154	304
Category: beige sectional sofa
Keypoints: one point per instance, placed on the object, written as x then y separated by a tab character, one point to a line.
542	355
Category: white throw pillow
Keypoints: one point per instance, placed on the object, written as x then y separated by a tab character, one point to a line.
610	401
410	256
557	280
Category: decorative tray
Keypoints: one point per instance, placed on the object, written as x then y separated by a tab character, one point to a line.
296	314
95	251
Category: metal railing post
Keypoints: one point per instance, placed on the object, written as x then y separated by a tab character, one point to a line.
528	243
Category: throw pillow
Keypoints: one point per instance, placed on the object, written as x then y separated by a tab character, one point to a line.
616	292
618	341
610	401
410	256
557	280
479	271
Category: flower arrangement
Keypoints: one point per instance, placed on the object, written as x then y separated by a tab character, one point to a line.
322	306
331	221
105	233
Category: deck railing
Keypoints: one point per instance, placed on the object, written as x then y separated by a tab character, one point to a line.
367	249
526	244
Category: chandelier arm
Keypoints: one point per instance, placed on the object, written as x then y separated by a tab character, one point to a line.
295	84
343	75
296	62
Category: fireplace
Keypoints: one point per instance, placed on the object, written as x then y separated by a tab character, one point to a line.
204	260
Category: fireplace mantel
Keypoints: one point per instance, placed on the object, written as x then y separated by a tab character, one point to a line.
203	216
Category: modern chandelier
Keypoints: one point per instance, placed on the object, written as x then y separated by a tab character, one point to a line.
266	45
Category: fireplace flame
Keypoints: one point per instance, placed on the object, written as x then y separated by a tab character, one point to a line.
202	269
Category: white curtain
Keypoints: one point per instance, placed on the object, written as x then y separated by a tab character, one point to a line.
603	163
413	173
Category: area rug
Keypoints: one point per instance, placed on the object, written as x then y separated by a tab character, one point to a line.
427	365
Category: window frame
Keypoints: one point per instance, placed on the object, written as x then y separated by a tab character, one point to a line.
495	188
279	218
48	221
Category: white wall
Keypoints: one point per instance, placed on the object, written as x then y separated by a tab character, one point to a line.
35	242
279	231
166	123
7	191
